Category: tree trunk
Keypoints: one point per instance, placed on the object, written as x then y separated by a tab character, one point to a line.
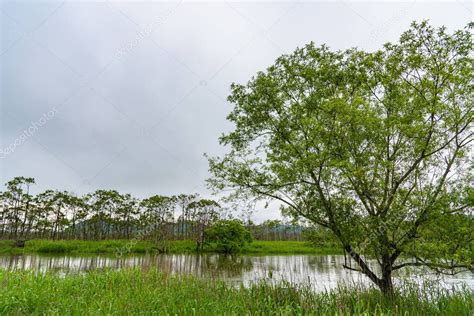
386	284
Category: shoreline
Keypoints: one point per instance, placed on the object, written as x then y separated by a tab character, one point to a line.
133	247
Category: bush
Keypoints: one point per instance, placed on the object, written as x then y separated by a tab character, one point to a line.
228	236
319	236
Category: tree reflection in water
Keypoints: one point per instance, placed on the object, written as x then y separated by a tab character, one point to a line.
320	271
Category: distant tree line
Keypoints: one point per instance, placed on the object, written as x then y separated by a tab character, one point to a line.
274	229
108	214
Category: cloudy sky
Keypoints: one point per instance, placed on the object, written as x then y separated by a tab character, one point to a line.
128	95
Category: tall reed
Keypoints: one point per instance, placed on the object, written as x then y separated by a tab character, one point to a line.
152	292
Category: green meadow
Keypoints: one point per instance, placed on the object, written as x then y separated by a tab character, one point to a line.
77	247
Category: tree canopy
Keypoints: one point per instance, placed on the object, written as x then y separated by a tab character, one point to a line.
375	146
102	214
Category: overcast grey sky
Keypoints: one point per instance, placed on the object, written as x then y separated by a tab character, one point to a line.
128	95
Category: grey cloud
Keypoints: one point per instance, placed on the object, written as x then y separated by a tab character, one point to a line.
140	87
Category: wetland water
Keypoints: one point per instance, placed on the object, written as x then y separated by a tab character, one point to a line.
321	271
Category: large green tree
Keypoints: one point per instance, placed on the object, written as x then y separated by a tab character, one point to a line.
375	146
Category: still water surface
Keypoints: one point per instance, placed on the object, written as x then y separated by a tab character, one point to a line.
320	271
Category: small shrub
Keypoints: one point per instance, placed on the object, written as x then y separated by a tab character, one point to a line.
228	236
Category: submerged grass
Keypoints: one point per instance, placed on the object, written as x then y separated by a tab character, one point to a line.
139	247
151	292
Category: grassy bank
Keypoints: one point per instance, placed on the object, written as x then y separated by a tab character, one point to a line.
141	247
137	292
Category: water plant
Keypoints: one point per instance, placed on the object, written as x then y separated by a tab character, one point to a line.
152	292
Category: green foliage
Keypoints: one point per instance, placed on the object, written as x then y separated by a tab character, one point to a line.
375	146
138	292
319	236
450	238
204	212
102	214
228	235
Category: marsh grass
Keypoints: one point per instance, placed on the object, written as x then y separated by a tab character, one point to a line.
151	292
141	247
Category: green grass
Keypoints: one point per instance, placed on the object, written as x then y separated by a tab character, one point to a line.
141	247
151	292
